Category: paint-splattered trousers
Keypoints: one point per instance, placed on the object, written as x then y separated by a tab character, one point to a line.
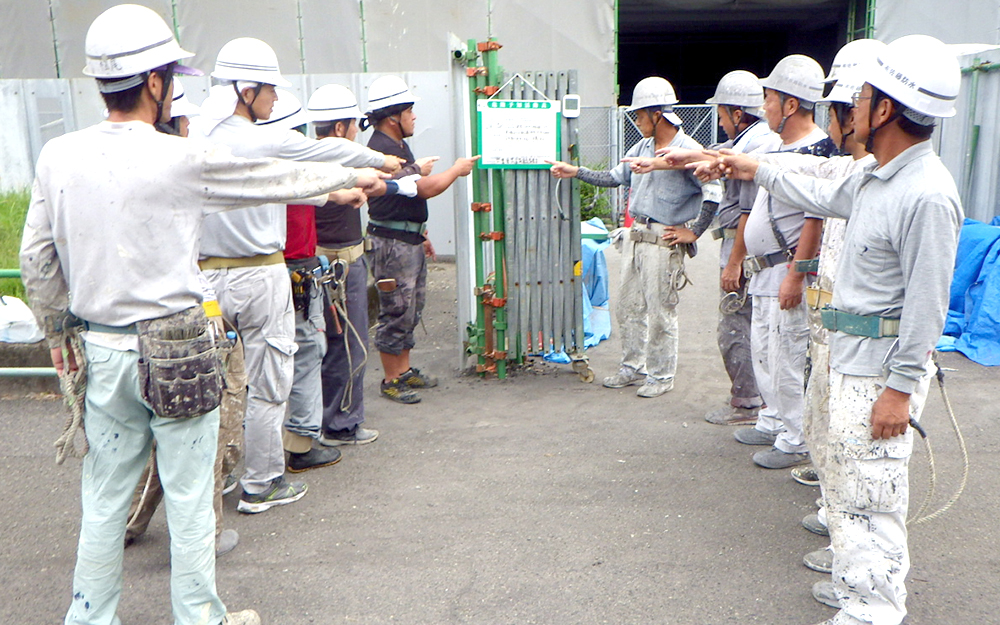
120	429
647	307
867	493
779	340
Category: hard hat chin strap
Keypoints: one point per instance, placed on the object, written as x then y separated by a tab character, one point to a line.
877	98
256	92
168	79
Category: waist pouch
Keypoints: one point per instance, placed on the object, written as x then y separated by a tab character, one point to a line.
180	372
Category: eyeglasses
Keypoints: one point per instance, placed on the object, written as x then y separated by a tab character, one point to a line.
857	97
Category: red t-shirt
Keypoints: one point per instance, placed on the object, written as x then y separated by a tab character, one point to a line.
300	242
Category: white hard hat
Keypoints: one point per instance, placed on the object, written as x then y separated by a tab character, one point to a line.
251	60
853	54
287	112
330	103
656	92
850	75
180	104
125	42
740	88
388	91
919	72
798	76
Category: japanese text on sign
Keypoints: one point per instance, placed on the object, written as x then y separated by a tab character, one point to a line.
518	134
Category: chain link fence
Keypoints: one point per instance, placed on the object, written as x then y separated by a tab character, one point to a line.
607	133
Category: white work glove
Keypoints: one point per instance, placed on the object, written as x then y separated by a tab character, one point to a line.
407	185
617	236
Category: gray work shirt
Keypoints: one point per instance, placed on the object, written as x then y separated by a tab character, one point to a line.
671	197
262	229
904	220
738	195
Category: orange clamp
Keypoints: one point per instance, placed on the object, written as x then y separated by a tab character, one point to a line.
488	46
491	236
481	207
487	91
475	71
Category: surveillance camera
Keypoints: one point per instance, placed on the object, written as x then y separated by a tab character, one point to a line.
458	54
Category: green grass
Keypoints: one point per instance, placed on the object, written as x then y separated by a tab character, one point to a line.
13	207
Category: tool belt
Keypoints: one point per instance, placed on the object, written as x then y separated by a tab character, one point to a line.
302	272
871	326
646	230
818	298
724	233
756	264
405	226
410	232
807	266
260	260
180	371
346	254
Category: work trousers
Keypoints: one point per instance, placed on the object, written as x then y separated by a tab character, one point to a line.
733	337
149	493
258	302
867	494
120	429
779	340
343	393
305	402
647	307
400	308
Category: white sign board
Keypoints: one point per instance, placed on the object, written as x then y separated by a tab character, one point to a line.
518	134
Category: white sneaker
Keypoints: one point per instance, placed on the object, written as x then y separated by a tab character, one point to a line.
624	377
655	388
244	617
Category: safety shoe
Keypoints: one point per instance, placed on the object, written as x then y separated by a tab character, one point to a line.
753	436
731	415
245	617
825	594
355	436
820	560
812	523
230	484
414	378
398	391
806	475
624	377
774	458
281	492
313	459
226	541
655	388
819	502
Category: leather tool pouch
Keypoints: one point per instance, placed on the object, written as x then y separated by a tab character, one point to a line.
180	373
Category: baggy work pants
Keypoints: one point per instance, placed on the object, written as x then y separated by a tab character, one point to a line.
120	429
258	302
733	337
339	414
647	307
867	494
779	340
305	402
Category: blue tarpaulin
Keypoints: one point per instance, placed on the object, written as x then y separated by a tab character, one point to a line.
973	323
596	316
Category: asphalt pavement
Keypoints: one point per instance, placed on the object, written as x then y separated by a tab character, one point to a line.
538	499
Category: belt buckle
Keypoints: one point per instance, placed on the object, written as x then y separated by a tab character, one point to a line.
751	265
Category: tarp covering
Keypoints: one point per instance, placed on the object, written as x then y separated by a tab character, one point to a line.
973	324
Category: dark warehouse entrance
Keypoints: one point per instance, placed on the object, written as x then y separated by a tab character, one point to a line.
693	43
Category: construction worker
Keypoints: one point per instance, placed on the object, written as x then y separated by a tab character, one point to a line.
241	255
149	492
886	314
738	99
776	234
334	112
114	220
652	263
398	238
